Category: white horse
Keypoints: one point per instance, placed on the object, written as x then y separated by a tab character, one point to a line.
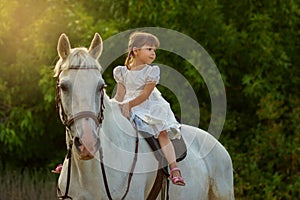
207	167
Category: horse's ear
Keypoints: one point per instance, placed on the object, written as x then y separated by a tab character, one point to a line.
96	46
63	46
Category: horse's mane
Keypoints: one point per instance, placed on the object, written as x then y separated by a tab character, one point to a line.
116	120
79	58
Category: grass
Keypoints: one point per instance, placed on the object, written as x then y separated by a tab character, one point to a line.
27	185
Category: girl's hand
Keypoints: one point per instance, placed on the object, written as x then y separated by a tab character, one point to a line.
125	110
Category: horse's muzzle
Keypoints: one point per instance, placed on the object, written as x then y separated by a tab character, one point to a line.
83	152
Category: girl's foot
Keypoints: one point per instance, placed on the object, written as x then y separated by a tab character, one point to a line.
175	177
57	169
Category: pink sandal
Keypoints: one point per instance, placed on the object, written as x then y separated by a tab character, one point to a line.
177	180
57	169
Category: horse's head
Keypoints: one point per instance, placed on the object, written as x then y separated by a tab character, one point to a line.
80	90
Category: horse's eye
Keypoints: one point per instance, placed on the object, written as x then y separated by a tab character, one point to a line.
101	87
63	87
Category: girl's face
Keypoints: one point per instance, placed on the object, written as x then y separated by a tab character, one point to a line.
144	55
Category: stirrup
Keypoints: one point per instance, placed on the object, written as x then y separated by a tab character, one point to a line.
177	180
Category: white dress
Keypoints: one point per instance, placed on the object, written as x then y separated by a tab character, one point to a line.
154	114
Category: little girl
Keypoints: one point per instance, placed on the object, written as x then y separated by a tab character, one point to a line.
140	100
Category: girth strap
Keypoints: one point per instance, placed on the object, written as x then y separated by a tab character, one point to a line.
157	185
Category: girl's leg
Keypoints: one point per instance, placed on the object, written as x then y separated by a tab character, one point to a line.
169	152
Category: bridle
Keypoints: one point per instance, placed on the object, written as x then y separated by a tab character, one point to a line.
98	118
67	122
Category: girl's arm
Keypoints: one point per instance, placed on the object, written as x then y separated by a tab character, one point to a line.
149	87
143	96
121	91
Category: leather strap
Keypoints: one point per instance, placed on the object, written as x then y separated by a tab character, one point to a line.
59	194
157	186
80	115
130	174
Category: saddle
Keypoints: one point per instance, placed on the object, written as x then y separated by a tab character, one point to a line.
179	146
180	152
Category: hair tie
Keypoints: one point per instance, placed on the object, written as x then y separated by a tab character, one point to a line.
129	55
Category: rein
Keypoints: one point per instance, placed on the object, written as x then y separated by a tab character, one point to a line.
98	119
130	174
59	194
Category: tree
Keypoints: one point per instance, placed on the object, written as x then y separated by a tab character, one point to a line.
255	45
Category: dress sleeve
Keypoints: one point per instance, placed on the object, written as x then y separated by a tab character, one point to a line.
153	74
118	73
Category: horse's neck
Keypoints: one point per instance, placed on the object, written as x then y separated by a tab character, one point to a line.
118	140
117	133
115	126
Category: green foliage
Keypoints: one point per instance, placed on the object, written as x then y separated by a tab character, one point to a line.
255	45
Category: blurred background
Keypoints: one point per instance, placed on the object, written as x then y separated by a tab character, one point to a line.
255	45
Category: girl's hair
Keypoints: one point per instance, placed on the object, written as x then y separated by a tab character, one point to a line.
139	39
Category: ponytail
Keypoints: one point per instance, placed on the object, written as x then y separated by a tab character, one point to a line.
129	60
